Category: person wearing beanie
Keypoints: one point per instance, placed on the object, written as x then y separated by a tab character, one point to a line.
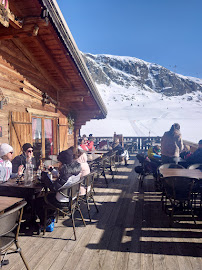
6	155
21	159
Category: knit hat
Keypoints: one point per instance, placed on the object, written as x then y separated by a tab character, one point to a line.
5	149
65	157
26	146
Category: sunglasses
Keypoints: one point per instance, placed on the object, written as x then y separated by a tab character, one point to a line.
11	152
30	151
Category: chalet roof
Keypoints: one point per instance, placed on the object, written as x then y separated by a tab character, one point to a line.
63	29
39	45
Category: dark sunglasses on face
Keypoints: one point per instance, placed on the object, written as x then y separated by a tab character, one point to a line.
11	152
30	151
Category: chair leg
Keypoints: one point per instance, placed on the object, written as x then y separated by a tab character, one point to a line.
88	208
171	216
73	223
45	221
94	203
78	208
192	213
22	256
106	181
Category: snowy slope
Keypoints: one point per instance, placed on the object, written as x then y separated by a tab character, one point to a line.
139	110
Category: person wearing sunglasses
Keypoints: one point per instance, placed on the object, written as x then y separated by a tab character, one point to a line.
6	155
22	159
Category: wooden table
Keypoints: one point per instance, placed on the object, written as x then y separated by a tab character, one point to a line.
6	202
12	189
167	172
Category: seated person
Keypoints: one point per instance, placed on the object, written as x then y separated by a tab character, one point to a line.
154	153
103	145
186	153
22	159
196	157
6	155
82	145
85	169
69	173
120	150
90	144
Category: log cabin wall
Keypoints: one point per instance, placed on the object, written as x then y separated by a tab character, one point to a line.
20	95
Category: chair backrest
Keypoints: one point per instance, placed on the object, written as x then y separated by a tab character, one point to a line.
89	179
195	167
178	187
74	191
141	158
11	219
46	181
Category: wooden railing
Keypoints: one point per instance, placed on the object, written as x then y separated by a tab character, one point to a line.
132	143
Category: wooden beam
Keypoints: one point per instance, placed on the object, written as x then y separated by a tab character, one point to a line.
35	63
74	93
42	113
17	24
72	98
52	61
29	28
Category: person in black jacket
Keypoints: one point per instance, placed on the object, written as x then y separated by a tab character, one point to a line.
196	157
69	173
21	159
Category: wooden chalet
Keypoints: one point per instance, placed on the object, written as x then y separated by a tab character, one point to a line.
46	91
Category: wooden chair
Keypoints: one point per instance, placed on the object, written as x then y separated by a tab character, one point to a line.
88	192
72	194
9	231
178	190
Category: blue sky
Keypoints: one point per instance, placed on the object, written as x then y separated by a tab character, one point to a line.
165	32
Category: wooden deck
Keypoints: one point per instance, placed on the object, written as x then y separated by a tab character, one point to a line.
130	232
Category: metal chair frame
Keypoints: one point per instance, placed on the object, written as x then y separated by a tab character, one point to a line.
9	232
89	192
178	191
71	207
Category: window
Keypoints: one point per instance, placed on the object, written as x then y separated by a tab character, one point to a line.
43	137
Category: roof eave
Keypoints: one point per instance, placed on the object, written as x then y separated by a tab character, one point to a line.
68	40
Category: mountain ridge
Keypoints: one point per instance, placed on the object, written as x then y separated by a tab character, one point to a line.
130	71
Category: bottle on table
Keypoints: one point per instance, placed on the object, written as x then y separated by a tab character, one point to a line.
40	169
28	175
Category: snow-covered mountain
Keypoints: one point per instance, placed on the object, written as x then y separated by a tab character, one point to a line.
144	98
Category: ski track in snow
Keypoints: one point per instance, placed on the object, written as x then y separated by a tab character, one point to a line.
146	113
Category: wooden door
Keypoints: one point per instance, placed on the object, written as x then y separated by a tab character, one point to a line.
20	130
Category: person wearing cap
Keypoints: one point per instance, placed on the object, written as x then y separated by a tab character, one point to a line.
196	157
21	159
6	155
